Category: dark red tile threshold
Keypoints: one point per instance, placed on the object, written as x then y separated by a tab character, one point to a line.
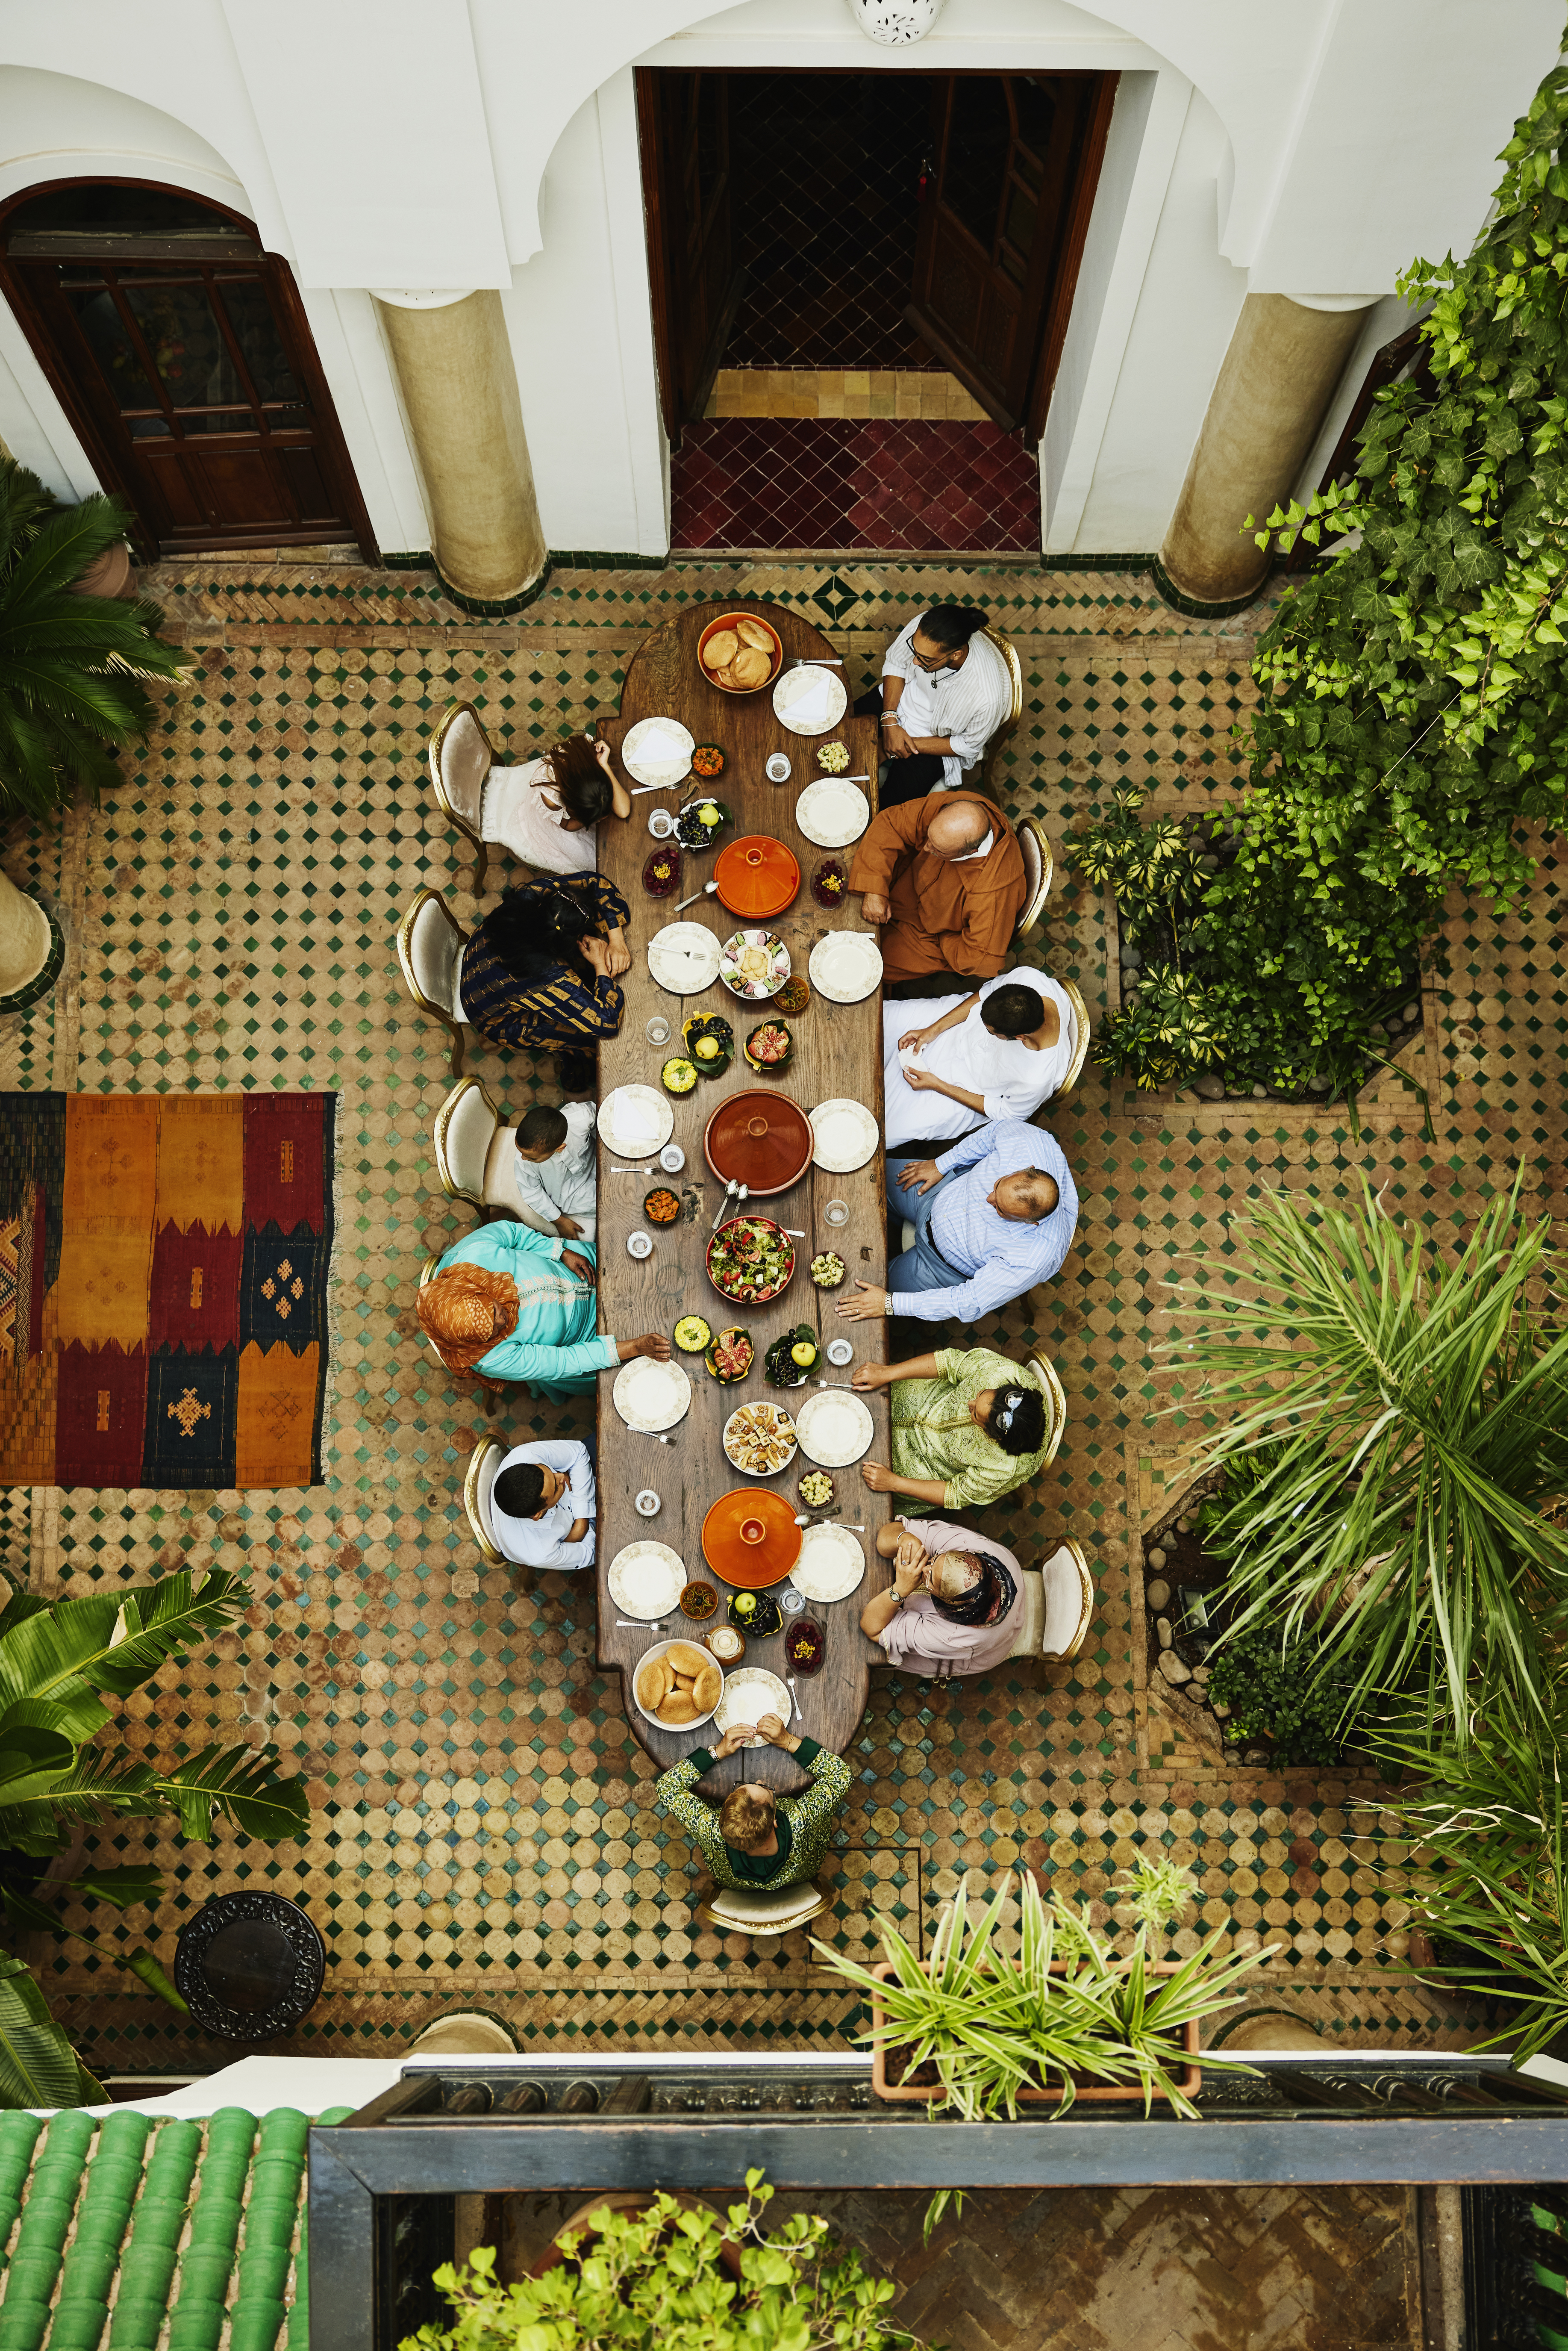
898	485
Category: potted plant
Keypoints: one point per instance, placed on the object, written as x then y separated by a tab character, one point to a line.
658	2277
976	2032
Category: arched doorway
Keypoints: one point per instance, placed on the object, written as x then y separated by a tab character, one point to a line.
182	356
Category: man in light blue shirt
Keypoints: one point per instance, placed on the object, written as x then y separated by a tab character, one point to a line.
543	1504
992	1217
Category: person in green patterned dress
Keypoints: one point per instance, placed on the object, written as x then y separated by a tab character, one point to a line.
968	1425
755	1840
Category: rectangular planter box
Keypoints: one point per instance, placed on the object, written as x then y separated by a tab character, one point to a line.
1097	2093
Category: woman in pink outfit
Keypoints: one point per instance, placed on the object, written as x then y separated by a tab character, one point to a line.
953	1606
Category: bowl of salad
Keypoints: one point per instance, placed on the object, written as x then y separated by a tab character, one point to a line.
750	1260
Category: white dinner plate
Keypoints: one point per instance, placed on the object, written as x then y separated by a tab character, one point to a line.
636	1121
832	814
658	751
809	700
830	1564
684	957
845	1135
755	938
646	1579
780	1426
846	967
749	1693
650	1396
834	1429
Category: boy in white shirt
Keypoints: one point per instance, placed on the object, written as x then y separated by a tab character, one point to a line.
544	1503
556	1178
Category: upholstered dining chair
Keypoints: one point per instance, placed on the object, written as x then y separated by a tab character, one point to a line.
461	758
430	944
1008	727
476	1155
484	1465
1055	1401
1075	996
741	1910
1039	866
1059	1607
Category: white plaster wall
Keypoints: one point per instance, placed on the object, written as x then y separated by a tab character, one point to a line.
1186	313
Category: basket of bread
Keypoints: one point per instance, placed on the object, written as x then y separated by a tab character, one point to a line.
677	1684
740	653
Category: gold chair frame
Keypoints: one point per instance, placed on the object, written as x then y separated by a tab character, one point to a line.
477	840
405	960
1075	996
476	1526
1034	906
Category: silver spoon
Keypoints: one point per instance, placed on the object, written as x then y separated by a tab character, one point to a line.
729	1190
642	1623
794	1702
705	892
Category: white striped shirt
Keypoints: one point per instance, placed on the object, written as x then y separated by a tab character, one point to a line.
997	1258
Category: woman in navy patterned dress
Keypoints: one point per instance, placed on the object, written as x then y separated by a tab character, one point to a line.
544	969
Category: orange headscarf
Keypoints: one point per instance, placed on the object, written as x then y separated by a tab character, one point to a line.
457	1311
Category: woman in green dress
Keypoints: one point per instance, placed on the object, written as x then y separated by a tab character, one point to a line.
968	1426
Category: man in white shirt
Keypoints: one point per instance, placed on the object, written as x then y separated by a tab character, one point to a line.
556	1181
944	691
544	1503
994	1055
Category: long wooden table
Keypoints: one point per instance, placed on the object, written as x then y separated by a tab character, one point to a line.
838	1051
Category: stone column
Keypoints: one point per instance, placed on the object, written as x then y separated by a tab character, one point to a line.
459	389
1285	358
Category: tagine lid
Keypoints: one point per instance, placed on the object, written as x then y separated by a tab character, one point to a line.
735	1549
759	1138
757	876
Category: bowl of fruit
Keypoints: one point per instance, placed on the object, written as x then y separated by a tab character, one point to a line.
833	758
816	1491
709	1041
700	822
756	1614
769	1048
730	1356
792	1358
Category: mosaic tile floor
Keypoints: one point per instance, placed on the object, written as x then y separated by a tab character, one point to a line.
484	1819
888	483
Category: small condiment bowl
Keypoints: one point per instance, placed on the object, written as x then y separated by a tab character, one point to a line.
779	768
672	1159
661	823
840	1350
646	1504
639	1244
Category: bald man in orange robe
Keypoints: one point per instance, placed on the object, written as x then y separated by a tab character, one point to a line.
943	879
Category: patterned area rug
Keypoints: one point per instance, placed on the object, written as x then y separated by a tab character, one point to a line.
163	1266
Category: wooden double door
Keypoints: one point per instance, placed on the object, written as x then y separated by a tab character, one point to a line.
1004	203
185	360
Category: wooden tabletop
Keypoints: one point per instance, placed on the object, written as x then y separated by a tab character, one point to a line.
838	1051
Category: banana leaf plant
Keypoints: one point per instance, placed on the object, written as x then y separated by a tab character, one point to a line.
71	666
59	1768
1405	1414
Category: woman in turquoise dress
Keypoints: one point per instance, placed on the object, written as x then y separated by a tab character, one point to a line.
506	1303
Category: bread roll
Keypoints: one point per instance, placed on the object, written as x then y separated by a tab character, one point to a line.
677	1709
750	668
720	650
686	1659
653	1684
752	632
705	1689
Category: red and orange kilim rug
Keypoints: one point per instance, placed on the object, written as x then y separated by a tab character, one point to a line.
163	1287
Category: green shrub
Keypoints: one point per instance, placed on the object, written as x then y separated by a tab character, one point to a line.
1283	1695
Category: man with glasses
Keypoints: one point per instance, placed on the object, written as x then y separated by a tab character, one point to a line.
944	691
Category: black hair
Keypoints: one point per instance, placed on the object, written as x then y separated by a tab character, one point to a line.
950	625
519	1490
1023	1410
537	927
581	782
1014	1010
542	1127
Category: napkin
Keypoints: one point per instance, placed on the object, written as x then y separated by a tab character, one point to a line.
634	1125
660	748
808	706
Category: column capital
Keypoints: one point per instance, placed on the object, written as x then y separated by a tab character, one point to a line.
421	298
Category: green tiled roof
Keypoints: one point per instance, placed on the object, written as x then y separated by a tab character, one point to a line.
142	2234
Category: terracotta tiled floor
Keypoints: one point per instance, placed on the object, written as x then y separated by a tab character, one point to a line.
889	483
484	1823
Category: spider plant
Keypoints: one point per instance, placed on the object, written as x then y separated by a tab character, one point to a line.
1408	1416
71	666
1492	1840
1069	2005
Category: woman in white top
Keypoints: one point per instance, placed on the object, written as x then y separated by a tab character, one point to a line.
944	691
996	1054
544	813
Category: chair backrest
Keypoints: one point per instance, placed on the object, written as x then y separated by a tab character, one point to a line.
484	1465
1082	1034
1068	1589
466	1127
1039	867
426	1276
1055	1403
1004	645
430	944
775	1912
1030	1616
460	759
